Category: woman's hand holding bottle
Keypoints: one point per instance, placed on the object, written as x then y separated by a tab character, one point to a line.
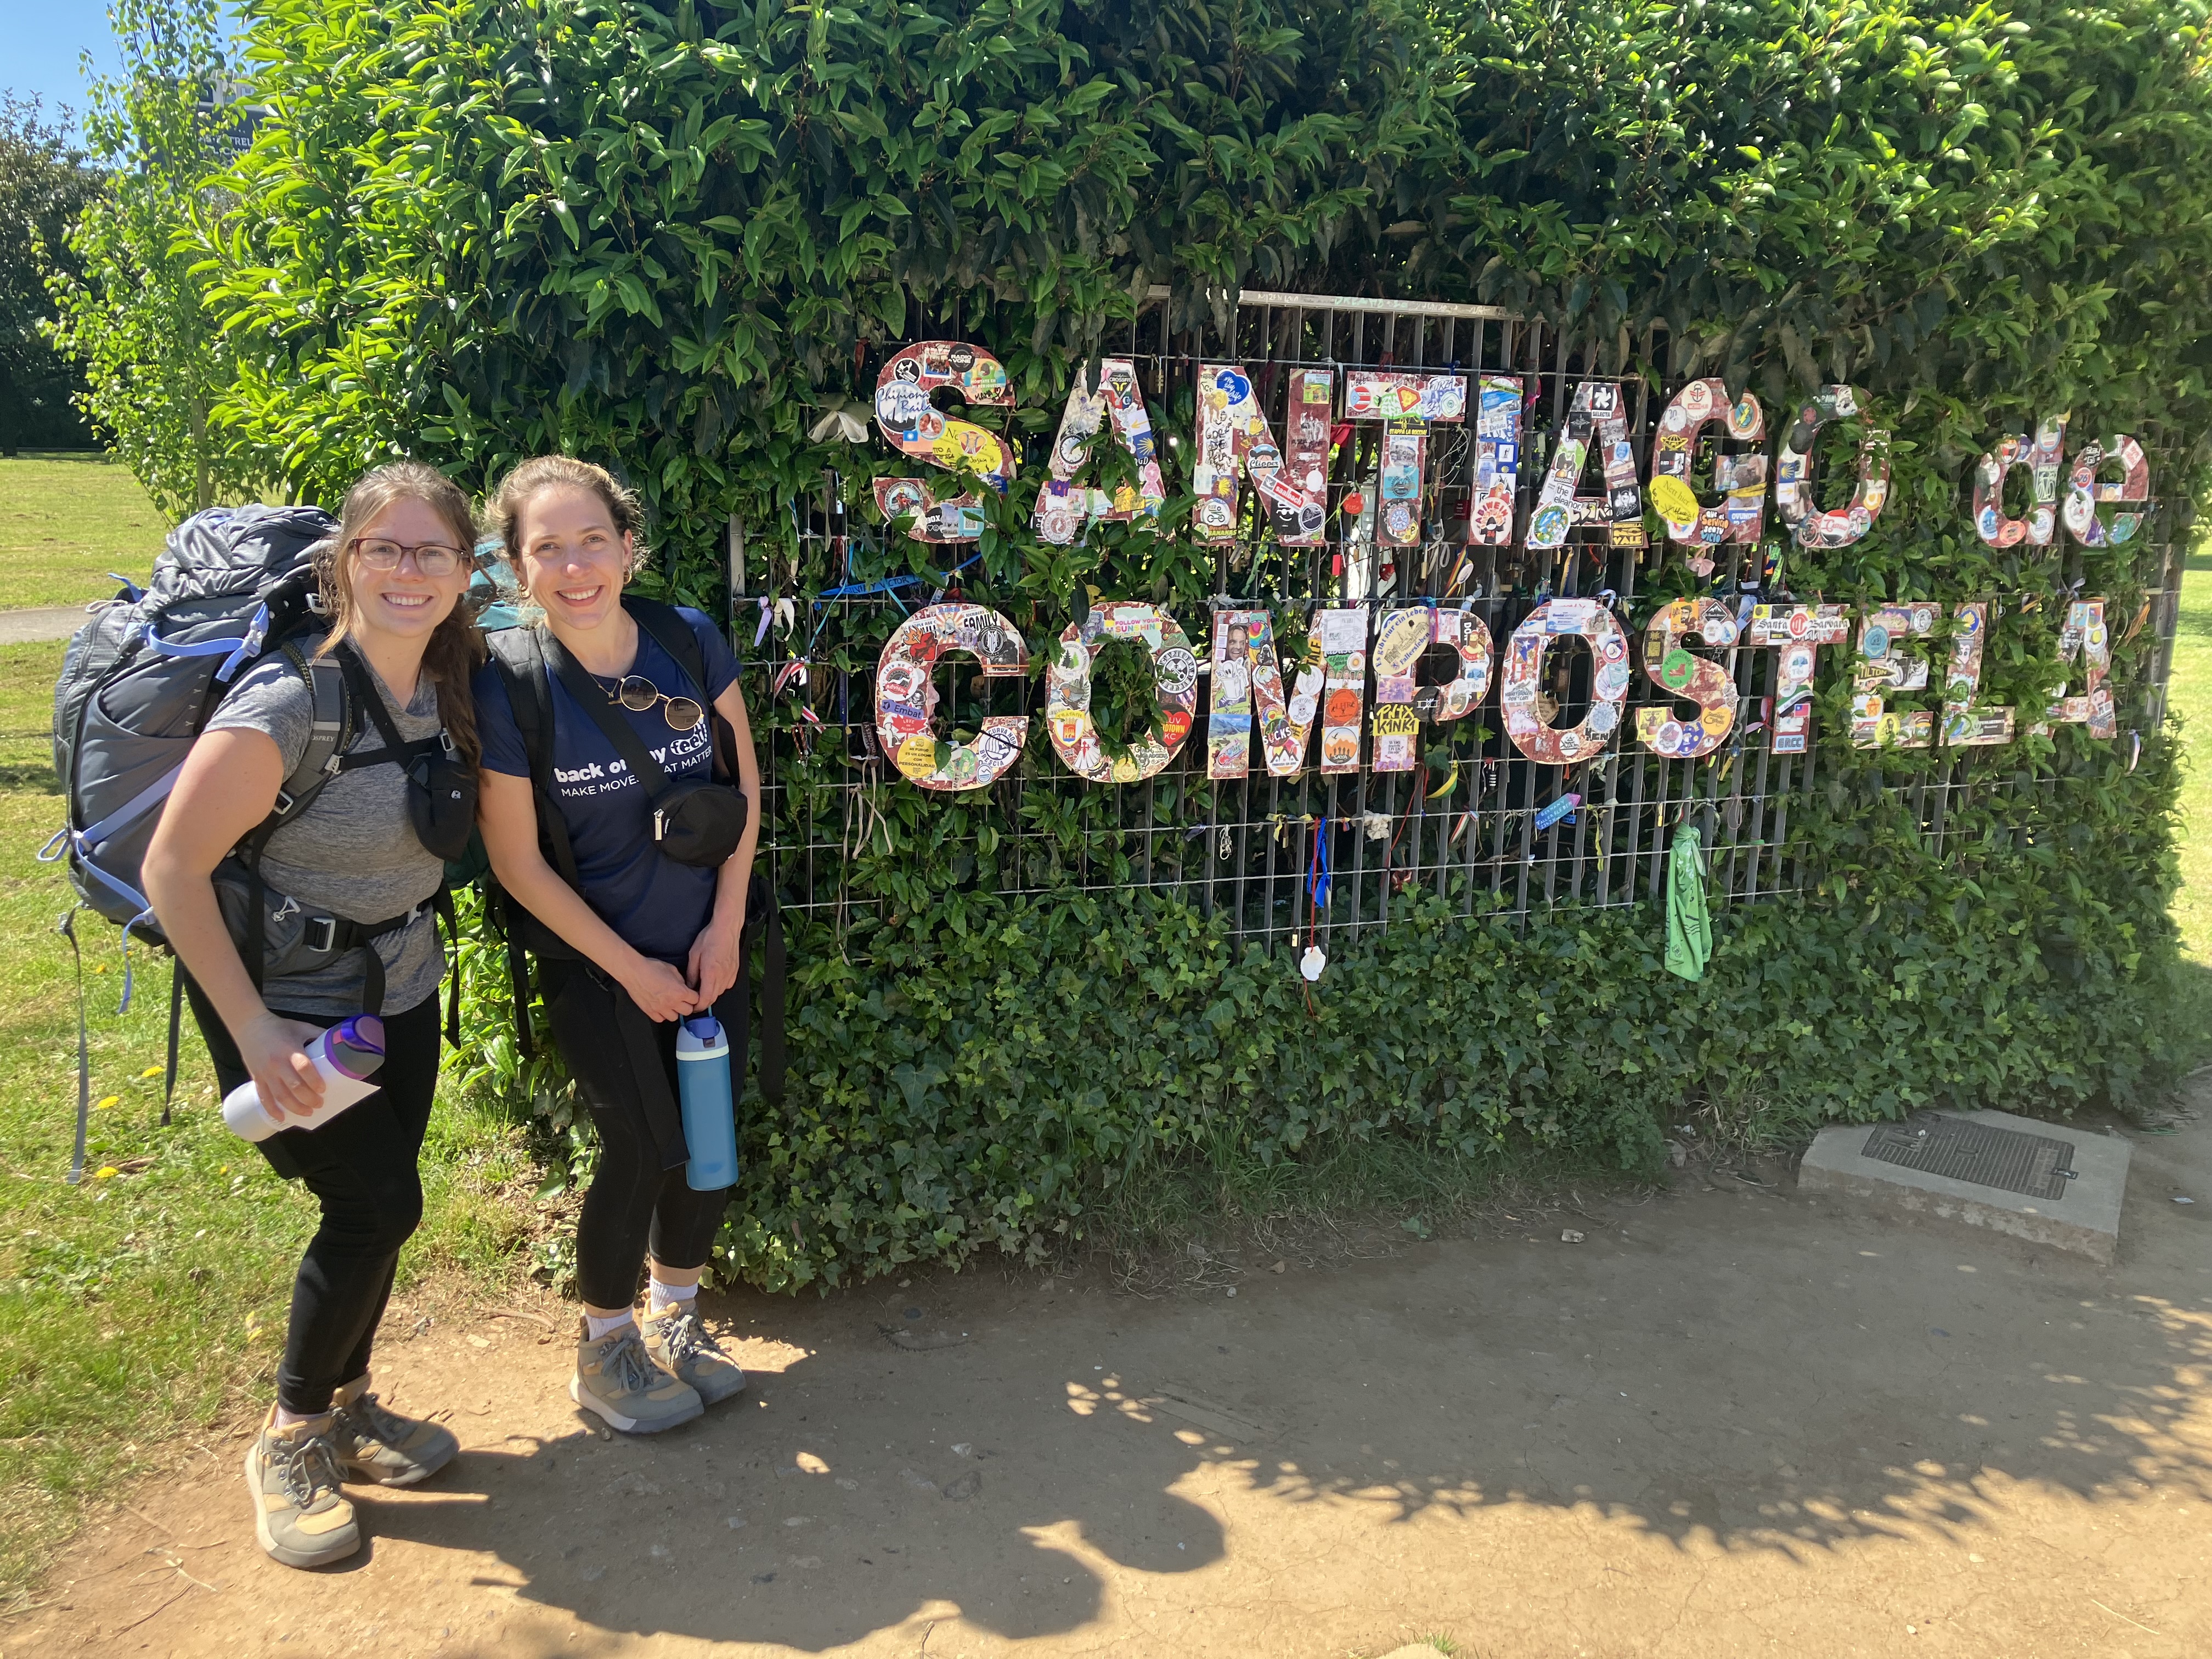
660	990
274	1050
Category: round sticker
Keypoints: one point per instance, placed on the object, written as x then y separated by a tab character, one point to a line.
1571	744
1302	708
962	358
1674	420
1924	618
1215	512
1550	526
1874	644
906	368
1398	519
1677	669
1670	736
1676	501
1603	717
1696	400
1800	624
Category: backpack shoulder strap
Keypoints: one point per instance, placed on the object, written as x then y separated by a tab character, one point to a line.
518	656
327	735
673	635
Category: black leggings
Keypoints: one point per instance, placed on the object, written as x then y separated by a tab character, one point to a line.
633	1204
361	1165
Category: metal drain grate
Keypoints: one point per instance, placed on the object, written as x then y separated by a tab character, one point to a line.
2035	1166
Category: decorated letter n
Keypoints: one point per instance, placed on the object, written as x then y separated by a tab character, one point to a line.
907	416
906	697
1521	694
1067	692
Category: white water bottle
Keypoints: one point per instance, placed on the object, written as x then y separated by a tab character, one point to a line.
347	1057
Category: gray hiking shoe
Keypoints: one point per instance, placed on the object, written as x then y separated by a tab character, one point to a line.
301	1516
679	1345
616	1378
376	1444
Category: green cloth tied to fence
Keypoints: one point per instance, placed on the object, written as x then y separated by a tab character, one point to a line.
1689	930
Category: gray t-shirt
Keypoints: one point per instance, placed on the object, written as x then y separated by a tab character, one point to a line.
353	853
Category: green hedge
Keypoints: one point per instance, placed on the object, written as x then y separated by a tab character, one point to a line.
657	235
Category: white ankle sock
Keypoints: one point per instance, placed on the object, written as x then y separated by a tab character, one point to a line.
598	1328
659	1295
287	1419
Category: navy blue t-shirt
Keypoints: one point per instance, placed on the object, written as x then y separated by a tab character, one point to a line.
656	904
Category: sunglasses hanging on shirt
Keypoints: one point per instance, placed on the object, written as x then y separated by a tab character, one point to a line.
638	694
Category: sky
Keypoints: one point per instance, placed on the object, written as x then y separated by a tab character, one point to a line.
45	39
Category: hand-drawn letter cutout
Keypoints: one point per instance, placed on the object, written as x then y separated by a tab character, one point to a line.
1797	632
1884	667
1740	478
2084	491
1795	489
1696	679
1497	462
2042	459
1520	692
906	696
1064	506
2083	635
1964	725
1408	403
1595	418
918	427
1232	434
1401	703
1342	631
1067	691
1248	678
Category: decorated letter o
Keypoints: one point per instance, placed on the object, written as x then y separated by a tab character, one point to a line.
1519	688
1067	691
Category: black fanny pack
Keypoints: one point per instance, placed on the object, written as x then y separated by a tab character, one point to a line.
695	821
441	787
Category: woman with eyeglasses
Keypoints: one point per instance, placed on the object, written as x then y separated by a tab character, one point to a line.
600	752
354	859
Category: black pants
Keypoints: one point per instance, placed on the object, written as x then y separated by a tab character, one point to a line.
361	1166
633	1204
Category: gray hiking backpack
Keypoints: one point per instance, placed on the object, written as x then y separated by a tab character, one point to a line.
139	683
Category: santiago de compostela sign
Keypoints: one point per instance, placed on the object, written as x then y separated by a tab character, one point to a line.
1349	644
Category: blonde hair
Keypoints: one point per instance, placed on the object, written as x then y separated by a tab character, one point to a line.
456	647
503	512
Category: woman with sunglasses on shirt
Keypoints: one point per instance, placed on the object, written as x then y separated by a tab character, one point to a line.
632	932
392	581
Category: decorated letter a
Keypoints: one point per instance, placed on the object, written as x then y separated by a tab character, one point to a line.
1064	506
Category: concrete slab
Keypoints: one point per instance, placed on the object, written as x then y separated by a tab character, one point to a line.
51	623
2048	1183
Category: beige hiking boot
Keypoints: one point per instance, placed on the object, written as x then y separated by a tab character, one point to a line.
376	1444
301	1516
616	1378
679	1345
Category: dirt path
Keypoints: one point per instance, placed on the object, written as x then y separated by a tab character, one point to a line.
1726	1422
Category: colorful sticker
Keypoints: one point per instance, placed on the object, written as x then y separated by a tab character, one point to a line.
1398	395
1232	438
2042	458
1794	490
1796	632
1064	506
1497	461
1882	667
1401	703
2084	490
906	696
1067	691
1966	726
1248	680
1342	631
2084	637
1595	418
1405	461
1740	515
916	427
1520	692
1690	679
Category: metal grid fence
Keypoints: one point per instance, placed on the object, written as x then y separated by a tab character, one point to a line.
1247	851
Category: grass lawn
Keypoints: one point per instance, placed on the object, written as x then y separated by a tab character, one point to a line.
2191	699
66	521
149	1303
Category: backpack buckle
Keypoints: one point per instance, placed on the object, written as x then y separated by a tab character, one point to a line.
284	803
322	935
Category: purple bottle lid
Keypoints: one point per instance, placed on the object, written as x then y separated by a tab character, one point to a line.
355	1046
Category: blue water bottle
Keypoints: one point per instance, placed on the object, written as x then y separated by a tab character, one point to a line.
703	1085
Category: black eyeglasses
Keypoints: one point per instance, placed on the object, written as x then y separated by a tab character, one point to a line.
637	694
433	559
